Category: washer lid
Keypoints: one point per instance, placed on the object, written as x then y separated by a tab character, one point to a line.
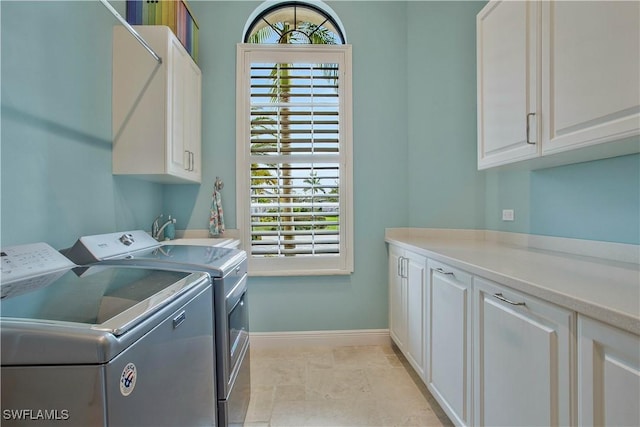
91	318
215	260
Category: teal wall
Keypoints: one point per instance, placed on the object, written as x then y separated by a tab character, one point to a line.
414	144
56	181
445	188
597	200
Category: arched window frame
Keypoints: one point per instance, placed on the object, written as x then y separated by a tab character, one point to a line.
318	6
340	54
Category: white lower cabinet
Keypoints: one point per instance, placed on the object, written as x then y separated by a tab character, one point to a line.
407	273
448	341
494	356
416	284
397	297
608	375
523	359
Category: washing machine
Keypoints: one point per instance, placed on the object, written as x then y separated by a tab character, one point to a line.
114	346
228	270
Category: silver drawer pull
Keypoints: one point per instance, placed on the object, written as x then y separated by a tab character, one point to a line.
502	298
440	270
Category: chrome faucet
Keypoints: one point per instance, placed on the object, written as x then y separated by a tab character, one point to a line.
155	227
162	227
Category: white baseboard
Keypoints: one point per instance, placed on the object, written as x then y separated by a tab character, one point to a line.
320	338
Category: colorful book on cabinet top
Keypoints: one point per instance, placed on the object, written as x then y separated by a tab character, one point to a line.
175	14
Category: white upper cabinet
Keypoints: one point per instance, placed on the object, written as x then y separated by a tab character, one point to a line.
555	76
156	108
591	72
507	50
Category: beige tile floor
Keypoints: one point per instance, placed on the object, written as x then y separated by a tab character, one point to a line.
338	387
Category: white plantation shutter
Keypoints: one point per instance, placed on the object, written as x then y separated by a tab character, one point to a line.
294	158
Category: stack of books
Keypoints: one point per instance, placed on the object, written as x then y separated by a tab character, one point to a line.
175	14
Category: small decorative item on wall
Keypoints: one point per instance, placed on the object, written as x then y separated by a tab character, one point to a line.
175	14
216	217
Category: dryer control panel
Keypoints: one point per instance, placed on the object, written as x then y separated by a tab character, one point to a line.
91	249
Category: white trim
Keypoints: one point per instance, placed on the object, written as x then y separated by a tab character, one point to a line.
320	338
340	54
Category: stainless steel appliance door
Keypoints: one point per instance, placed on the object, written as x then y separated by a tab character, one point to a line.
167	378
53	395
235	377
233	411
238	319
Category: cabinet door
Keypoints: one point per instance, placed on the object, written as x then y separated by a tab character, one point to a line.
397	297
507	49
139	104
608	375
449	340
183	149
591	90
193	118
416	267
522	361
178	155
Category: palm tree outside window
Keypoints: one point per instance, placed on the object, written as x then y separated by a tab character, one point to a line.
294	141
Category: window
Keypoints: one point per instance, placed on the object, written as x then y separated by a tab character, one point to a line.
294	154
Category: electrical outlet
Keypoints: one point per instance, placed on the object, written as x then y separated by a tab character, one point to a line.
507	215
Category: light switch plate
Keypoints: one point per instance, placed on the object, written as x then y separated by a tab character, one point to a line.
507	215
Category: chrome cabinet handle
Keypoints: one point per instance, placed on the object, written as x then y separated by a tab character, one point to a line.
502	298
189	160
529	130
440	270
402	267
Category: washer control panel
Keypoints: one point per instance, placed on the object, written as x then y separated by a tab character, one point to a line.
30	266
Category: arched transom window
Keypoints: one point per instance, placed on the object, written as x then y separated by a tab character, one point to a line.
294	22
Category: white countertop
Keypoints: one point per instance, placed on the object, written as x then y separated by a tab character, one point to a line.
201	237
603	289
206	241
